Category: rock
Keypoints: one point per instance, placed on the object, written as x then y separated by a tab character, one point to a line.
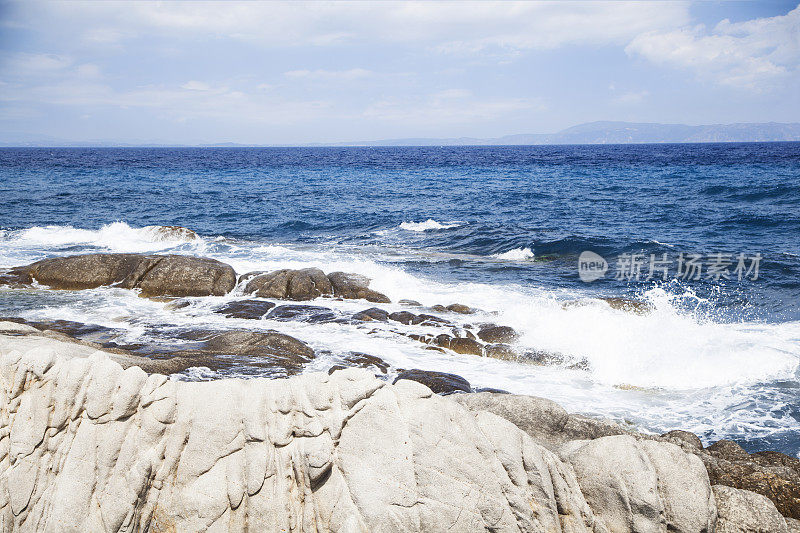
742	511
495	334
438	382
642	485
793	525
169	233
354	286
442	340
461	309
253	309
771	474
363	360
404	317
501	351
438	308
685	437
245	342
89	446
466	345
304	313
373	313
304	284
153	275
542	358
409	303
433	320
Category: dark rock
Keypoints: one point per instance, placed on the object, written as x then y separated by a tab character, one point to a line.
466	345
433	320
354	286
180	303
439	308
686	437
438	382
410	303
461	309
442	340
501	351
303	313
771	474
334	368
253	309
496	334
270	344
15	278
154	275
304	284
491	390
542	358
363	360
373	313
404	317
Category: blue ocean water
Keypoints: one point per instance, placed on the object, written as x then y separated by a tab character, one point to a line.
498	227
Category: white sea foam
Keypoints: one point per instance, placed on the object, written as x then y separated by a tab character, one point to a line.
517	254
429	224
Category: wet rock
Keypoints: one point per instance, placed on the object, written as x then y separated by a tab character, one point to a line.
363	360
438	382
180	303
439	308
253	309
409	303
354	286
15	279
154	275
373	313
466	345
501	351
495	334
275	346
433	320
404	317
169	233
742	511
304	313
542	358
771	474
460	332
303	284
461	309
442	340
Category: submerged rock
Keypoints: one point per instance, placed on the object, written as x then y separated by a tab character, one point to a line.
465	345
404	317
153	275
373	313
438	382
252	309
501	351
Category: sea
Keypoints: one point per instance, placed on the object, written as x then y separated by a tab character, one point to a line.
554	241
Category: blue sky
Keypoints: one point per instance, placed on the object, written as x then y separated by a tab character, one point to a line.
274	73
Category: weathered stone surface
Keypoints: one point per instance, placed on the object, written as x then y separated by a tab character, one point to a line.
354	286
169	233
466	345
460	308
742	511
260	343
252	309
686	437
154	275
643	486
495	334
501	351
438	382
89	446
303	284
404	317
410	303
771	474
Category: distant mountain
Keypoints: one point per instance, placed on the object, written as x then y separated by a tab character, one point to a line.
621	133
589	133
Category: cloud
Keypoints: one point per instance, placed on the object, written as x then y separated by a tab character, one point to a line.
754	54
196	86
320	74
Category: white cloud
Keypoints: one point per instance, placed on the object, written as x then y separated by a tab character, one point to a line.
755	54
194	85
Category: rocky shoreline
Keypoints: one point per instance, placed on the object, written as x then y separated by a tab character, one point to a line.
95	437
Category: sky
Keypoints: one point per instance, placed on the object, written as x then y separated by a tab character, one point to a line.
287	73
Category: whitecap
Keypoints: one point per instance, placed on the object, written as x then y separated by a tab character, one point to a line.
517	254
429	224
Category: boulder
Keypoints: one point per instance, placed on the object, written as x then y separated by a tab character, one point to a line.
259	343
681	437
466	345
742	511
409	303
153	275
501	351
645	486
495	334
252	309
461	309
373	313
354	286
771	474
438	382
303	284
404	317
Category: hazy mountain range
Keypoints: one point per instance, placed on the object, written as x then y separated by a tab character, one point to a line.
589	133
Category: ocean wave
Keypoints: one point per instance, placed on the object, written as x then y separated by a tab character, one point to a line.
517	254
429	224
